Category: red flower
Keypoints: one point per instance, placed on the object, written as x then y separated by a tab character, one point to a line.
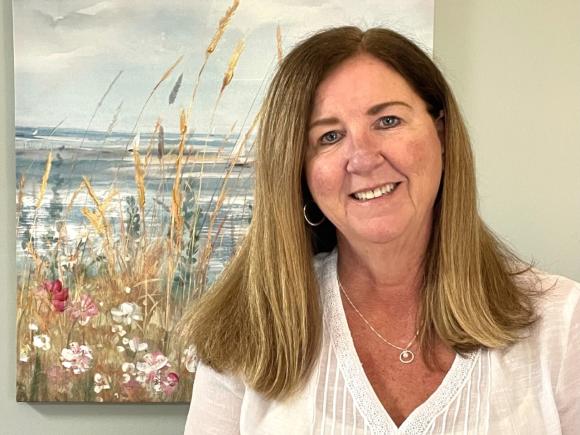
169	383
58	294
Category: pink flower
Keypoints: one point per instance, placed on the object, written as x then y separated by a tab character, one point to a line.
76	357
84	309
150	366
58	294
169	382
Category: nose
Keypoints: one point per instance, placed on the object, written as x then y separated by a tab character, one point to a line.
365	155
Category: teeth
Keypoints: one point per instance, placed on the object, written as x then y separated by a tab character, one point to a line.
379	191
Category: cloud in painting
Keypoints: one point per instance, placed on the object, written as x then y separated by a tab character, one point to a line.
67	52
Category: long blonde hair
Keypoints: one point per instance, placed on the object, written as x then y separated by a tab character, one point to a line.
262	320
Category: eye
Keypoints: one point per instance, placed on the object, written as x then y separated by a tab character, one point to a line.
330	137
388	121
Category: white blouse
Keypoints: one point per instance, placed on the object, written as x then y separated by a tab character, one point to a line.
532	387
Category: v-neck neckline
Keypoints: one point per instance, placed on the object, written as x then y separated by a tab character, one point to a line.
356	380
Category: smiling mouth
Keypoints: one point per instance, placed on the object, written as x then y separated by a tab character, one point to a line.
367	195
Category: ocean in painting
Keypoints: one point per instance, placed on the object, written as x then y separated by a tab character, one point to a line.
107	160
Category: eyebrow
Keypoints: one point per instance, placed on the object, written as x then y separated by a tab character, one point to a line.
377	108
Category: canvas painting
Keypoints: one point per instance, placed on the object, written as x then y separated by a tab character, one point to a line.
135	123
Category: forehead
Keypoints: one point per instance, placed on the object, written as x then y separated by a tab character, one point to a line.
362	80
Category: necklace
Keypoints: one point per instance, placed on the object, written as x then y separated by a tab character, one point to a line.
406	356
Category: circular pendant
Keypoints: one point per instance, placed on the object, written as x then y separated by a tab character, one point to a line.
406	356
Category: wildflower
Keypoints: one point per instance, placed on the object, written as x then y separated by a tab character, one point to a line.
150	366
118	329
190	359
58	294
101	383
136	345
76	357
169	383
83	309
41	341
128	371
33	327
24	355
127	313
127	290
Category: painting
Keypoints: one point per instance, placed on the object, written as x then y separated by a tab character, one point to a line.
135	123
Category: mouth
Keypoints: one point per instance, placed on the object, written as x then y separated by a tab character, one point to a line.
377	192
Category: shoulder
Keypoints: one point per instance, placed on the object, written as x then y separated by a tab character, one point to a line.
209	380
557	344
216	402
558	302
549	340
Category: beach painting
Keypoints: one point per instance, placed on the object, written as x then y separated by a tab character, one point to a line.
135	124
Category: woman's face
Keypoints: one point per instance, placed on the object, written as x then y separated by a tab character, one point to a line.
374	160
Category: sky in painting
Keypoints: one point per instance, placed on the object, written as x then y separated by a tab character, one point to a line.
67	53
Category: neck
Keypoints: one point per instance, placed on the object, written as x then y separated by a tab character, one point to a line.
389	274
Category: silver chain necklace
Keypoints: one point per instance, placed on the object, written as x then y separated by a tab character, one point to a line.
406	356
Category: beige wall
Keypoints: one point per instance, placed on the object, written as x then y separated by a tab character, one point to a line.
515	69
514	65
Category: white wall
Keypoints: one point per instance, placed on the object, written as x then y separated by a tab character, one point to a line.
514	66
515	69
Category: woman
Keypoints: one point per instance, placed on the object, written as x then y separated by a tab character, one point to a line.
368	296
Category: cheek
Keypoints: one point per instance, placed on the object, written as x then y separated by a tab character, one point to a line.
321	179
422	157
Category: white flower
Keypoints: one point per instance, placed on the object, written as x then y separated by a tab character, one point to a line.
76	357
33	327
101	383
190	359
118	329
127	313
128	368
136	345
24	355
41	341
127	290
148	369
128	371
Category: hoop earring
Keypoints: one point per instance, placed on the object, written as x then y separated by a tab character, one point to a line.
312	224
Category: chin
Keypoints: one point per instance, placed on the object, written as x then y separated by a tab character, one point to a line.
381	235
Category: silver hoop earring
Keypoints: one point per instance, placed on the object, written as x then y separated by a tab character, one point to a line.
312	224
